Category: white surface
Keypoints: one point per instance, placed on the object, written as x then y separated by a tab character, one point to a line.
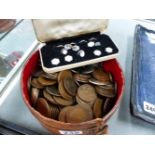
121	31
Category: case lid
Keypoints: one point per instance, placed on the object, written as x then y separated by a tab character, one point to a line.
54	29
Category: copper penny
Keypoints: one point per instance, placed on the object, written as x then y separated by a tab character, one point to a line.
87	106
45	82
43	107
34	95
62	101
53	90
84	70
63	92
106	106
54	112
105	92
70	86
97	82
78	115
97	108
63	112
51	76
101	75
83	103
87	93
82	78
63	74
49	97
36	84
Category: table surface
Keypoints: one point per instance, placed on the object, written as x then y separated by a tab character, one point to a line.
13	109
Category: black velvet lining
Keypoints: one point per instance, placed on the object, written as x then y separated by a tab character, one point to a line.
50	50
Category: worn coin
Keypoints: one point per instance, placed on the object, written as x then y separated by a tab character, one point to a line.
62	101
51	76
97	82
63	92
97	108
106	106
70	86
46	82
87	93
105	92
83	103
83	78
63	74
53	90
54	112
43	107
63	112
49	97
100	75
36	84
78	115
34	95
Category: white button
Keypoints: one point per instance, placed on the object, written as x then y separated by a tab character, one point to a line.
91	44
64	51
81	53
55	61
68	58
97	52
109	50
98	44
92	39
83	41
60	46
75	48
68	46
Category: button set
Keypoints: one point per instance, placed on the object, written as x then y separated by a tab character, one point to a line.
97	47
80	52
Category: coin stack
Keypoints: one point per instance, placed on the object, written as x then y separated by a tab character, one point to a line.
73	96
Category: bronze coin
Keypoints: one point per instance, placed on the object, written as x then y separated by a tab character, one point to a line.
62	101
83	70
46	82
106	106
51	76
97	108
97	82
83	78
54	112
105	92
53	90
87	93
34	95
81	102
43	107
63	74
63	92
36	84
63	112
101	75
87	69
49	97
85	105
70	86
78	115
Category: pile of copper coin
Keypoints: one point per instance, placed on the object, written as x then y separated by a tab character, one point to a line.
73	96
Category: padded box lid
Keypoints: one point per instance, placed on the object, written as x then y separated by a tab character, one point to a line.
54	29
